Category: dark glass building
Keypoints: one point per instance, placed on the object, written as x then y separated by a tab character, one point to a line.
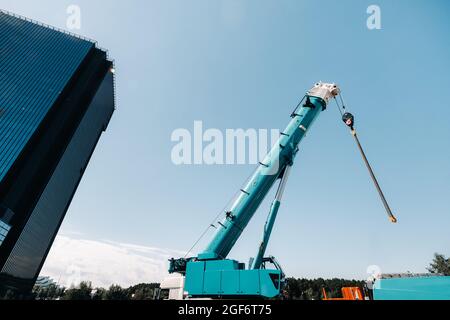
56	99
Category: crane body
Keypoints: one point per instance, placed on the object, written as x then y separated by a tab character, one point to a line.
211	274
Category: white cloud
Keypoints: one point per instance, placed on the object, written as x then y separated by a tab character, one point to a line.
105	262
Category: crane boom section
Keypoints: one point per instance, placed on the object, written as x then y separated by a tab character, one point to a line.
270	169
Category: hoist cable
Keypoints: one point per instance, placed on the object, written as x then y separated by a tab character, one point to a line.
342	101
339	107
294	113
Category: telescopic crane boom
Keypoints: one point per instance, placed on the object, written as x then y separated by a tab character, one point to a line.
269	171
211	274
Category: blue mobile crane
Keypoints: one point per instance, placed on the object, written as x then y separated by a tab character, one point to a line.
210	274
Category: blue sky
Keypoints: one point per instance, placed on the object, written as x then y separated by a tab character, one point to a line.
245	64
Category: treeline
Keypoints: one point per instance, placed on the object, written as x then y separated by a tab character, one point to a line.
306	289
85	291
295	289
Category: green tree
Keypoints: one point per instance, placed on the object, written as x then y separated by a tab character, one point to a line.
116	292
82	292
292	289
99	294
305	289
440	264
51	292
143	291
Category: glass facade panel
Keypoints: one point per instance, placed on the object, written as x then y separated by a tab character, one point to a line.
56	99
26	257
36	63
4	229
